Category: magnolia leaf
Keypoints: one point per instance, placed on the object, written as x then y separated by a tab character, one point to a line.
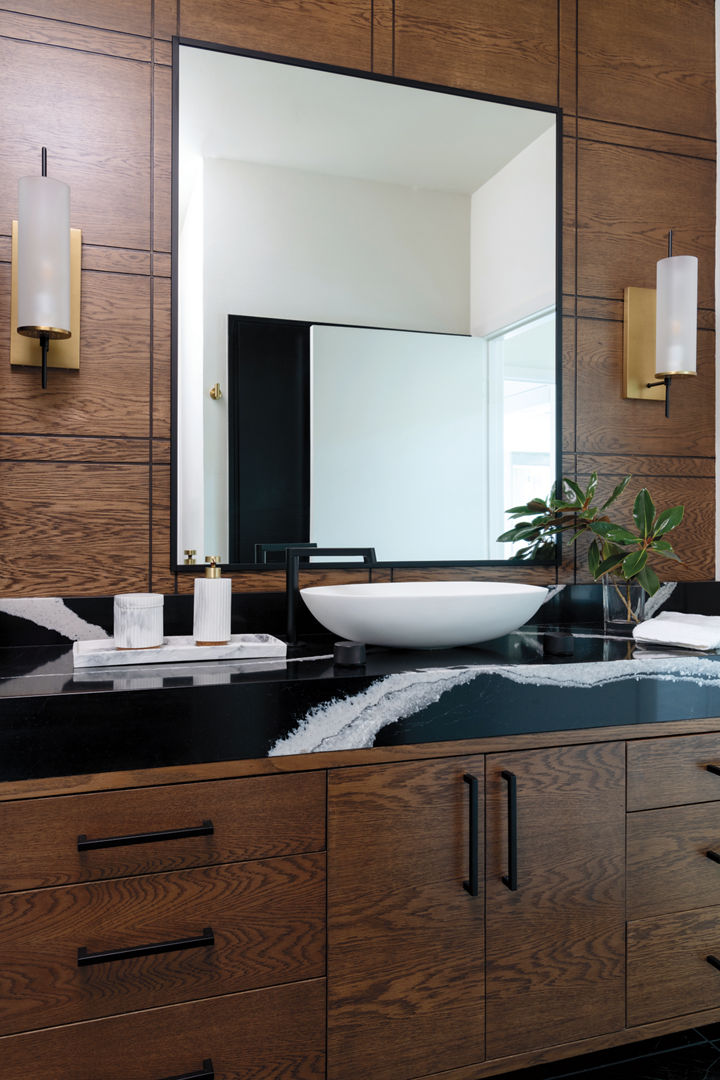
615	533
617	492
608	565
592	486
593	557
576	489
668	519
644	512
634	563
649	580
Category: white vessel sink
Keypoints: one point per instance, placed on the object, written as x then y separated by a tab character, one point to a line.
423	615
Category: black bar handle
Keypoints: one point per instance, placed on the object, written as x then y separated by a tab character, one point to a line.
84	958
714	961
472	885
83	844
511	878
206	1073
713	769
714	855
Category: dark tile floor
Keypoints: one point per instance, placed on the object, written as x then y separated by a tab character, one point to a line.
688	1055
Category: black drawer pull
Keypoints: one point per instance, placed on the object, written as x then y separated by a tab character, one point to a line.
714	961
714	855
83	844
206	1073
84	958
713	769
511	878
472	885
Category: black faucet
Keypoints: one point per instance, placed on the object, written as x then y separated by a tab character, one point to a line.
293	555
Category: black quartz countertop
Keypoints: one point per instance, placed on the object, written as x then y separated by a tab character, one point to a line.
57	722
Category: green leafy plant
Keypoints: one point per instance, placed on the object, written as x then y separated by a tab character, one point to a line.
615	551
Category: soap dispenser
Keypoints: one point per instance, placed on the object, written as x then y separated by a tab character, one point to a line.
211	605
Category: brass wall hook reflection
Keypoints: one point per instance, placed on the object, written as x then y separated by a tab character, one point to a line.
215	392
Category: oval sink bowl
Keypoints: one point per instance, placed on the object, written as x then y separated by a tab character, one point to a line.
423	615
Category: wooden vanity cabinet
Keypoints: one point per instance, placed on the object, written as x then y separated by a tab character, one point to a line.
555	929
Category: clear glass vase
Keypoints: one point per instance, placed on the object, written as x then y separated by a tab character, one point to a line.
623	605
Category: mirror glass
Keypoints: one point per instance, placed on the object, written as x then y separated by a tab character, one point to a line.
365	312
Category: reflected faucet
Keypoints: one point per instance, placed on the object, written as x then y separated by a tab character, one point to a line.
294	554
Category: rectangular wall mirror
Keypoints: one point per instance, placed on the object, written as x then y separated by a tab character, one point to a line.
365	292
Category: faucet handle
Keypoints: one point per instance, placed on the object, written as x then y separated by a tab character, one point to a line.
190	554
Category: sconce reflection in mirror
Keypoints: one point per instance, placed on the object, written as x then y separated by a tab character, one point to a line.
660	330
45	276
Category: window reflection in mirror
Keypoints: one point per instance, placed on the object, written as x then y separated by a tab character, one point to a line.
337	200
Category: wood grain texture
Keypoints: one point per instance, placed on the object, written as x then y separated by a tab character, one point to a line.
556	946
70	35
609	423
70	526
266	1034
267	916
569	221
162	558
383	36
161	367
330	31
109	394
531	575
649	63
627	201
405	940
567	60
130	17
54	449
485	45
162	158
103	152
647	465
672	771
668	973
115	260
668	869
602	131
255	817
568	389
165	14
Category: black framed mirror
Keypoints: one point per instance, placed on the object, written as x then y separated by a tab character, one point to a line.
366	282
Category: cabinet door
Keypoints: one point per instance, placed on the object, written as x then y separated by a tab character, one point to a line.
405	945
555	943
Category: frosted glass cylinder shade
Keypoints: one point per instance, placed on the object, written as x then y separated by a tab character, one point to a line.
211	611
43	257
676	319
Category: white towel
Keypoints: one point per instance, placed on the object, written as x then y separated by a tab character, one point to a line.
685	631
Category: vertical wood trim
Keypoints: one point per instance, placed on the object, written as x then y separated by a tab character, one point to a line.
383	37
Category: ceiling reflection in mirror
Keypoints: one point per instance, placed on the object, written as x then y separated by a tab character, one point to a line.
405	239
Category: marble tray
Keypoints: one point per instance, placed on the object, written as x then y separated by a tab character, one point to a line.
174	649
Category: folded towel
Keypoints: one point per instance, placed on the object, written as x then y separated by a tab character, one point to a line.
685	631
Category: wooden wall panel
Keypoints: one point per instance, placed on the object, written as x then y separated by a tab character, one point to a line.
328	31
627	201
73	529
92	112
109	394
607	423
80	481
650	63
485	45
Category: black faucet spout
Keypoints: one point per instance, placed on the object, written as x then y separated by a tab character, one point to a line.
293	555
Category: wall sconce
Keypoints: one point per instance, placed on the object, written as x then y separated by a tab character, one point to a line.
45	275
660	330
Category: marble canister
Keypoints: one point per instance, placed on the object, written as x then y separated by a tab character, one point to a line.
138	620
211	610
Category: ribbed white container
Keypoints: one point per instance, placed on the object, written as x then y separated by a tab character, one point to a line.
138	620
211	610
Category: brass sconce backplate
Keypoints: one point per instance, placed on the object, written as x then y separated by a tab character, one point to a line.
63	353
639	345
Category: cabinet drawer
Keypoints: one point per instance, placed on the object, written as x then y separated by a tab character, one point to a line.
251	818
672	771
668	865
212	930
276	1033
668	971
